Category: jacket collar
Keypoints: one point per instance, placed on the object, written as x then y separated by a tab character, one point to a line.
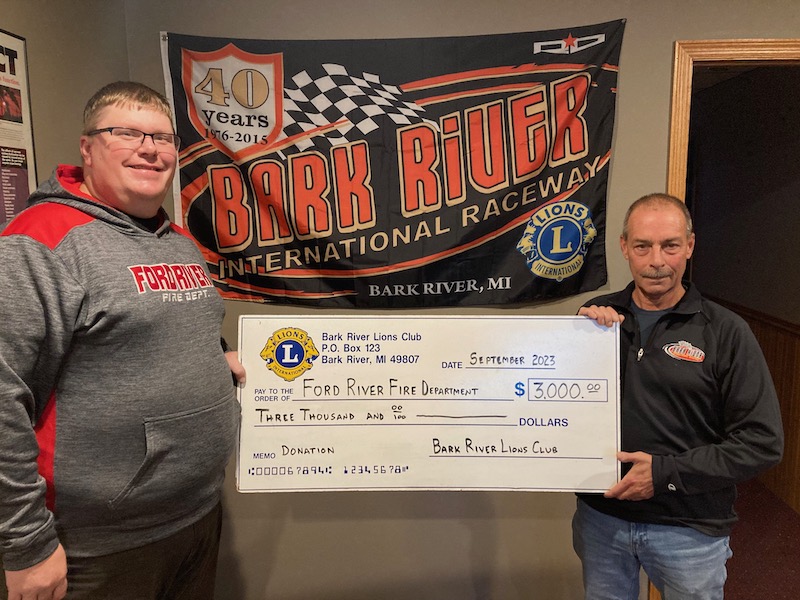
690	303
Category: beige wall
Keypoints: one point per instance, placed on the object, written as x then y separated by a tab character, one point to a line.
448	546
73	49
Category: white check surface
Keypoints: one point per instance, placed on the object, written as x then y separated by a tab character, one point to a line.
428	403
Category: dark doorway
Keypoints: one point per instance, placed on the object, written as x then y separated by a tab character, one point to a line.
743	186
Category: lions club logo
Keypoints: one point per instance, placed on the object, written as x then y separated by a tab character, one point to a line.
289	353
556	239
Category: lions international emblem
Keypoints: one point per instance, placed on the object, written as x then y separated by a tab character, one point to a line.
289	353
556	239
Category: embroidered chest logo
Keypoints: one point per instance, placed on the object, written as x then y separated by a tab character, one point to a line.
684	351
169	278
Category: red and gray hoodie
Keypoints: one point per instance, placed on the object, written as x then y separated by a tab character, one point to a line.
117	413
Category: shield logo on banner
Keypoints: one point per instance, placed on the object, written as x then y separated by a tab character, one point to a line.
235	98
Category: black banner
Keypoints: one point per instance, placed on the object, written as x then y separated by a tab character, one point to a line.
398	172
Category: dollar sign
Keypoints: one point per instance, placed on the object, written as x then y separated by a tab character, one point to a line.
520	387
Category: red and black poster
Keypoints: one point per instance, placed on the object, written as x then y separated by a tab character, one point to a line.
397	172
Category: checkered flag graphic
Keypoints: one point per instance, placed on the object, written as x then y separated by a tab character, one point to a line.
333	95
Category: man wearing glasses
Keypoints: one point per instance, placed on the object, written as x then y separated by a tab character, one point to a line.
116	406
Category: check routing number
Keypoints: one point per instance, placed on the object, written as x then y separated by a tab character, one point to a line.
428	403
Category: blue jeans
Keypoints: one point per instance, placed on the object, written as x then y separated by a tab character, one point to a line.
681	562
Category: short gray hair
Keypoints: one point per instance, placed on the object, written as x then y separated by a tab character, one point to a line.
658	199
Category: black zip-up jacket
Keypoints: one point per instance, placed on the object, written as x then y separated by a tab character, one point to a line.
699	397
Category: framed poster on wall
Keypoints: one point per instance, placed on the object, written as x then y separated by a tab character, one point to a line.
17	163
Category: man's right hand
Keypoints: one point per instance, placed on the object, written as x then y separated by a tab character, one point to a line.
604	315
46	580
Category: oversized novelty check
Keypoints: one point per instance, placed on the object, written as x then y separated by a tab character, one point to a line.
428	403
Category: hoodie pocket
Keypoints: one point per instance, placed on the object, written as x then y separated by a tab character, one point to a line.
185	459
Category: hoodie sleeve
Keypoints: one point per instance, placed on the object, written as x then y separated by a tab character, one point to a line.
41	303
751	439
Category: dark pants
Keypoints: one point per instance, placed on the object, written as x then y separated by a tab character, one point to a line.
180	567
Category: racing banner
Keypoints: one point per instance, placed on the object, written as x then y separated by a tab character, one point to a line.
398	172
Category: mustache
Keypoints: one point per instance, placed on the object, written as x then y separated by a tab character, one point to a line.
656	273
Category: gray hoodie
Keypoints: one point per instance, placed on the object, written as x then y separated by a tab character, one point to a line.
117	413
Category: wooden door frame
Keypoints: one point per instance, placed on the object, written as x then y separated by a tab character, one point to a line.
710	53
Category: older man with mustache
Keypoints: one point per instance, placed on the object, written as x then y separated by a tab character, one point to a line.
699	415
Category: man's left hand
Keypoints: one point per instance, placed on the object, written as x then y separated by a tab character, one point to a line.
638	482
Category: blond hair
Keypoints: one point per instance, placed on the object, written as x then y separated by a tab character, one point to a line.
125	94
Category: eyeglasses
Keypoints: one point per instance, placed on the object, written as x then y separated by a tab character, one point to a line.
134	137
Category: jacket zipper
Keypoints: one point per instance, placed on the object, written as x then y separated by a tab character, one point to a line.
650	339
